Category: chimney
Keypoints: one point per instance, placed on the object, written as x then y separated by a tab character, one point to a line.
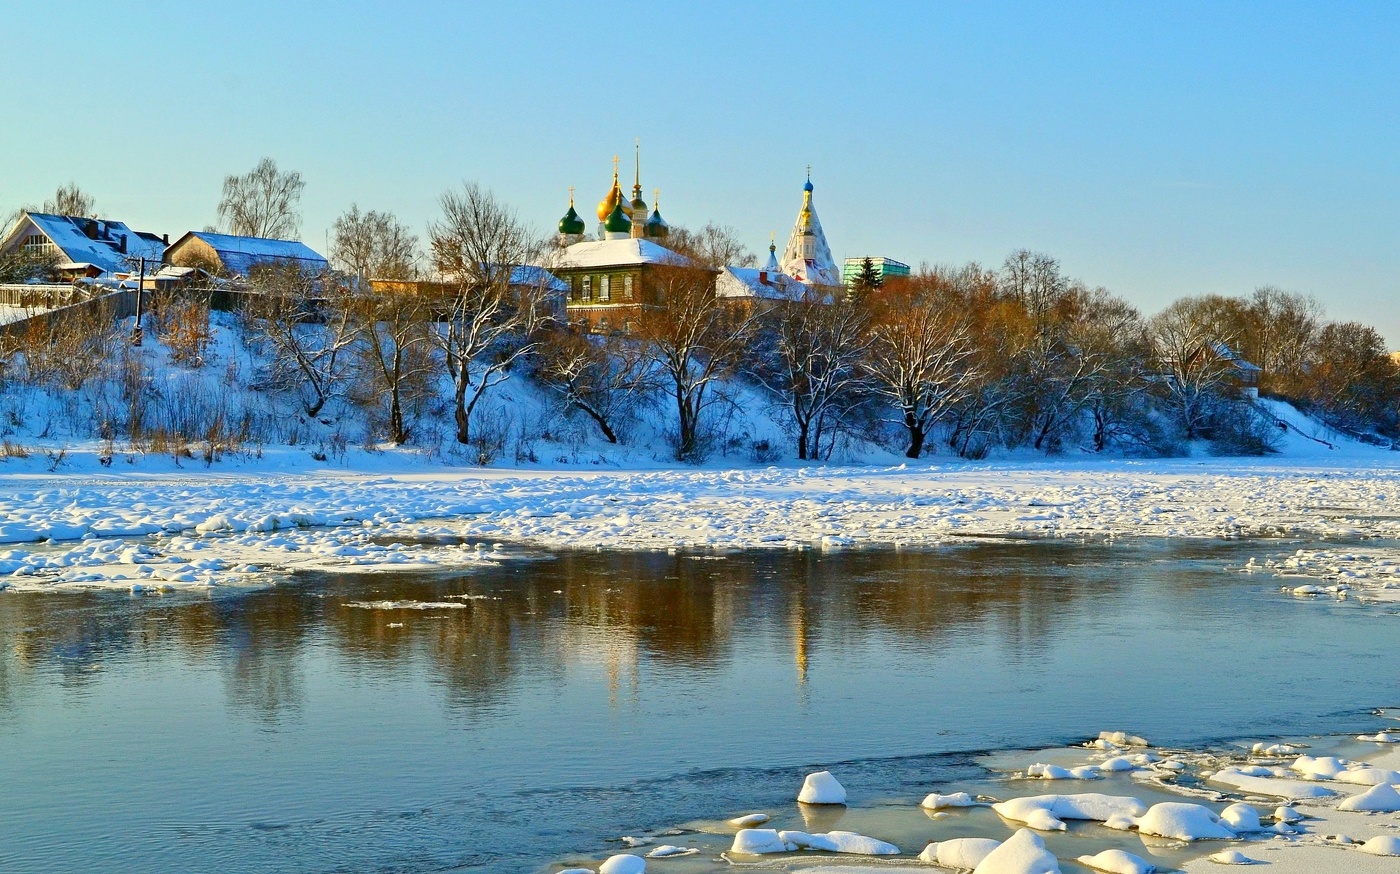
90	229
165	240
121	245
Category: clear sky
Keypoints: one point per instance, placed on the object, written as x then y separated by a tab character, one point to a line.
1156	149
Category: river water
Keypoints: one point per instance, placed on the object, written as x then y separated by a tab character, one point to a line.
548	705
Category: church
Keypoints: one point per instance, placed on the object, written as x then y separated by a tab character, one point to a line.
610	276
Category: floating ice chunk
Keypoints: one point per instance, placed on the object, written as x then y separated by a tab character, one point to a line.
1022	853
1047	812
1049	772
1263	749
1380	737
859	845
1287	814
805	841
1121	822
960	853
1368	776
1231	857
1242	818
1123	739
577	871
1117	763
667	851
756	842
217	522
1184	822
1385	845
623	863
934	801
1274	786
749	820
1381	798
1117	862
1319	767
822	788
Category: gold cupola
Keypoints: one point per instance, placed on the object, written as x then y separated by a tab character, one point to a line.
613	199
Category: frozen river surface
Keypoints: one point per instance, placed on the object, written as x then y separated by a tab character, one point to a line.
502	717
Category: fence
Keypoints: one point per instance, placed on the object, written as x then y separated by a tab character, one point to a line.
112	305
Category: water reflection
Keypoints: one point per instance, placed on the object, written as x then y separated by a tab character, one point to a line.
571	697
540	617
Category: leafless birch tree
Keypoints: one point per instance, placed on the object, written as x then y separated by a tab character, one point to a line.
264	202
493	302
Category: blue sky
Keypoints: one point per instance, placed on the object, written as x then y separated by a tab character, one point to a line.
1157	150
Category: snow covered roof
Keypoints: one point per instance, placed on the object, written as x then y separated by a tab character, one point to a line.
816	267
752	282
98	242
239	255
618	253
520	275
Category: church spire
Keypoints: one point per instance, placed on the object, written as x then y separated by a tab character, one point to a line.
807	257
638	207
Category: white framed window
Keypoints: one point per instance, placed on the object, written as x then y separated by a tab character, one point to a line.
588	288
627	287
605	288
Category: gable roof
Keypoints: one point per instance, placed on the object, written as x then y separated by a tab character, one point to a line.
92	241
618	253
752	282
241	254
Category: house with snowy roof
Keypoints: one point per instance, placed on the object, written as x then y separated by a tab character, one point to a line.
82	248
238	257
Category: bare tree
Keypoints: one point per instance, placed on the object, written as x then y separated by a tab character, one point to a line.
373	245
921	356
71	200
263	202
306	323
1192	372
602	377
694	340
492	300
817	347
396	352
712	246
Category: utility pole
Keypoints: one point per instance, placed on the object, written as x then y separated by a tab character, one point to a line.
140	287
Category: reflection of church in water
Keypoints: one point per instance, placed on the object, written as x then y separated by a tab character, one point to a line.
610	275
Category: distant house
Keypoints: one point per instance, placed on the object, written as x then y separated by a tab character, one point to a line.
524	279
82	248
610	281
237	257
751	283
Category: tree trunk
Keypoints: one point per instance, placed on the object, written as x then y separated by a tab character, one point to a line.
460	416
916	436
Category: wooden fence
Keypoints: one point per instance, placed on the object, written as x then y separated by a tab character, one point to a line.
112	305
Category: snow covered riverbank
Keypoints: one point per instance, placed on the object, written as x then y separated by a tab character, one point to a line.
1114	804
214	522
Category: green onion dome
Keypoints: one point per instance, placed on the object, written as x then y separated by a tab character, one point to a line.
618	222
656	226
571	225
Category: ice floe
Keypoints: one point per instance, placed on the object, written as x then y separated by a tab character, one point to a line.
1381	798
822	788
1117	862
959	853
1022	853
934	801
1048	812
1231	857
623	863
1384	845
1184	821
